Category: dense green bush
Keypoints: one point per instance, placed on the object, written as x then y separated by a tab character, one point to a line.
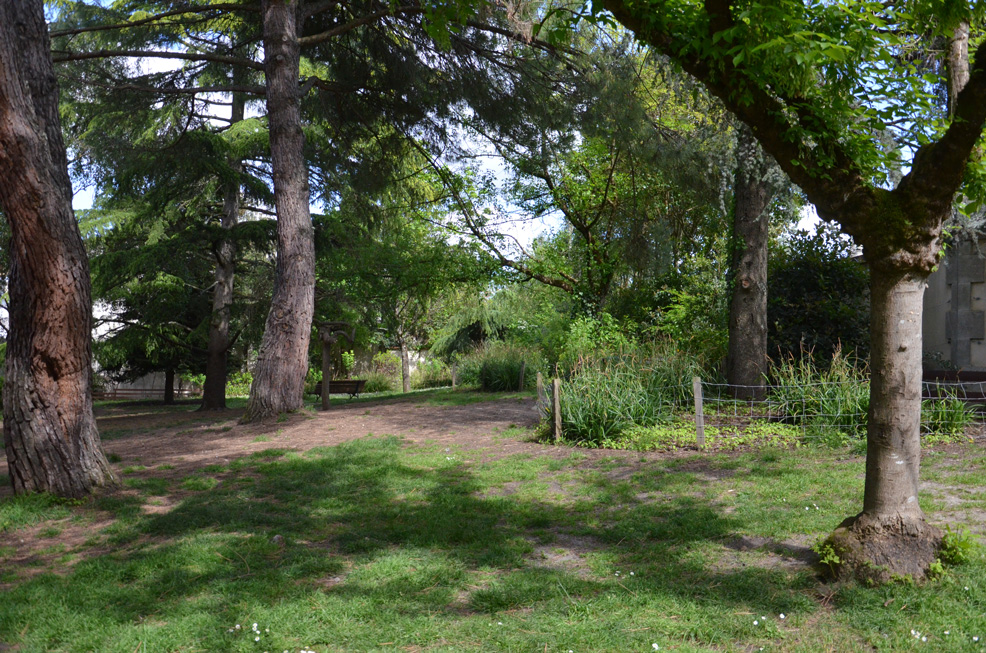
945	419
818	298
238	384
593	337
832	403
431	373
386	362
379	382
497	367
313	378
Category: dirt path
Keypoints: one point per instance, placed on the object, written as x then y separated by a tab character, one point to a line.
187	440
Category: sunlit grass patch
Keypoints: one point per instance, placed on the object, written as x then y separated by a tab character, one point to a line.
29	509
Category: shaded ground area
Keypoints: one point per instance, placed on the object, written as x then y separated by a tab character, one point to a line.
454	512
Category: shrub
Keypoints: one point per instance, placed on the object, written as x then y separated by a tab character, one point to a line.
593	336
832	403
379	382
386	362
238	384
945	420
497	367
818	297
313	378
431	374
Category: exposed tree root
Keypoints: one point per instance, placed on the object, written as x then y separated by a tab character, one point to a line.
877	550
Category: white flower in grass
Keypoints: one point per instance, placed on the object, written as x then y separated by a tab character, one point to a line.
756	623
655	646
782	616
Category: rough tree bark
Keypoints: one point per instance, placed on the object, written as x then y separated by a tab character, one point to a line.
49	431
746	359
214	389
328	339
329	334
901	235
279	374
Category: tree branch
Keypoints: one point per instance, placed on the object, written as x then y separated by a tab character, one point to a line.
61	56
150	19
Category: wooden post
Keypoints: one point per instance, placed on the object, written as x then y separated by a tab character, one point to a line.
699	416
520	385
556	406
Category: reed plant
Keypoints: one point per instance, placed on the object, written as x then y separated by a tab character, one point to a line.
499	364
607	395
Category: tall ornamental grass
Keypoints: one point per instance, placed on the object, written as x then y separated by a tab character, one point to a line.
606	396
831	403
495	367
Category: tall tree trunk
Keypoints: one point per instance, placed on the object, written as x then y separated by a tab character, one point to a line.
328	340
214	388
890	537
169	386
405	366
279	375
746	360
49	431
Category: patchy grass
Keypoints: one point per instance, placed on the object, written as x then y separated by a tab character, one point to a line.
377	545
30	509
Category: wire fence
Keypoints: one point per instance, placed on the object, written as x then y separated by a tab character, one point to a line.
833	412
826	409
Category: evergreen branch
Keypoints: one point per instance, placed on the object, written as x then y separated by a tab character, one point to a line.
315	39
232	6
61	56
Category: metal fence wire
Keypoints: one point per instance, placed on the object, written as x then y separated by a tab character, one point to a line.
822	409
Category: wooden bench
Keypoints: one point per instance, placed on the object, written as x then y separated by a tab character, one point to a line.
351	387
138	393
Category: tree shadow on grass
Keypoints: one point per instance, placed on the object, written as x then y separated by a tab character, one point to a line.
358	529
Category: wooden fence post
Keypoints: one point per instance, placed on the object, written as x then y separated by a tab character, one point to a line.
520	386
699	416
556	406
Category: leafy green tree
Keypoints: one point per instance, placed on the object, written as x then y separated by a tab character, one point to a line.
385	261
818	83
638	189
353	68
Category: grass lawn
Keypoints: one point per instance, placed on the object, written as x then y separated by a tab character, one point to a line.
375	544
